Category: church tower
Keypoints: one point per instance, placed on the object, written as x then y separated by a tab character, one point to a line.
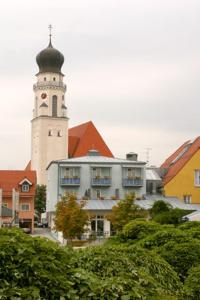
49	137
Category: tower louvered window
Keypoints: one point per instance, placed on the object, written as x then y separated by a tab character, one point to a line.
54	106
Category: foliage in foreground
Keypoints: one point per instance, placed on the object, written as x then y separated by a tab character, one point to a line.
138	271
34	268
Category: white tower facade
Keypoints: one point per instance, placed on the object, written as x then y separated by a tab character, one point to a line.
49	136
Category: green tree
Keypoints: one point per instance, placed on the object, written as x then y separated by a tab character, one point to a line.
159	207
70	217
173	216
40	200
124	212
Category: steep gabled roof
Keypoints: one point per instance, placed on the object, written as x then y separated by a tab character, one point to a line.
11	179
85	137
179	158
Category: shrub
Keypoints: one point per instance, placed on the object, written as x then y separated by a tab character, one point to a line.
173	216
35	268
159	207
190	225
138	273
182	256
191	289
162	237
136	230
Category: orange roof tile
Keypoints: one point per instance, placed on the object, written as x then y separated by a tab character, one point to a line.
85	137
179	158
11	179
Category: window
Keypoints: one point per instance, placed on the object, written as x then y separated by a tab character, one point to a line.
5	204
25	187
197	177
98	193
25	207
50	133
45	79
59	133
54	106
117	193
96	172
54	79
130	173
187	198
63	97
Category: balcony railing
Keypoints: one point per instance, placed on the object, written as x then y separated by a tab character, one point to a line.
50	84
132	182
101	182
69	181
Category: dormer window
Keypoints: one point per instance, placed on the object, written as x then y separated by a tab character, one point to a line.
25	185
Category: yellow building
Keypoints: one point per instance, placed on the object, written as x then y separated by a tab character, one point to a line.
182	173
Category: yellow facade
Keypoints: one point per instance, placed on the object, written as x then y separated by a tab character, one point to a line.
183	184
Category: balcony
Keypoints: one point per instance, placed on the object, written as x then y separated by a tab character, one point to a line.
49	84
131	182
70	181
101	181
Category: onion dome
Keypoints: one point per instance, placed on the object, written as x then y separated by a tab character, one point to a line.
50	59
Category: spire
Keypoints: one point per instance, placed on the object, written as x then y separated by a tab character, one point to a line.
50	34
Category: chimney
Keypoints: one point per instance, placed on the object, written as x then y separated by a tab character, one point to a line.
132	156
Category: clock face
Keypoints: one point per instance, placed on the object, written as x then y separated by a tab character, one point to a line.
43	95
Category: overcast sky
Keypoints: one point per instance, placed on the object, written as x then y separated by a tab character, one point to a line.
131	66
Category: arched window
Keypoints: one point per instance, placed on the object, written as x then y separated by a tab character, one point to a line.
54	106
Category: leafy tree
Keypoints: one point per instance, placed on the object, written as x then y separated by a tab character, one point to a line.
173	216
159	207
70	217
40	200
124	212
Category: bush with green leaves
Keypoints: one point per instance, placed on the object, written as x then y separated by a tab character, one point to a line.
139	273
181	255
162	237
173	216
158	207
136	230
191	225
191	289
35	268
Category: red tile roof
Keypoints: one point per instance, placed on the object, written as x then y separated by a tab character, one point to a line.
85	137
179	158
11	179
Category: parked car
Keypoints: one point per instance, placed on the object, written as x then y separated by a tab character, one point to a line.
42	225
